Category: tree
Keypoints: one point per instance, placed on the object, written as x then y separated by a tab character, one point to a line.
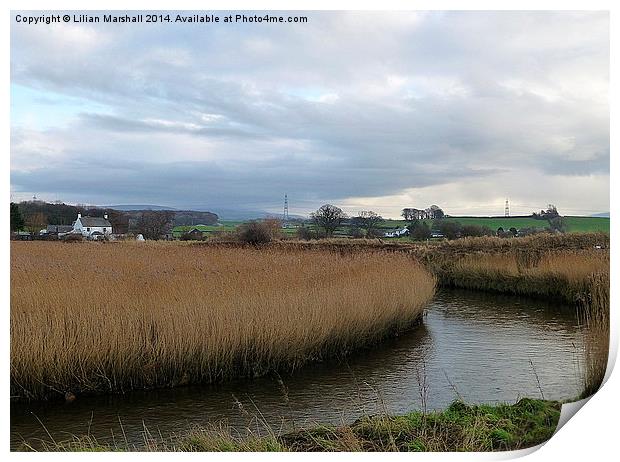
411	214
435	212
35	222
420	231
154	224
368	221
17	221
432	212
328	217
558	224
548	214
551	211
450	229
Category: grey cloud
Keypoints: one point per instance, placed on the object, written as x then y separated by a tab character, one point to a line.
239	114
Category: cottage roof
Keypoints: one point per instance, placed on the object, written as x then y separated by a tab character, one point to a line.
93	222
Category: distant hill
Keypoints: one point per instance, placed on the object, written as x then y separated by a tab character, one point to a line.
242	215
602	215
131	207
223	214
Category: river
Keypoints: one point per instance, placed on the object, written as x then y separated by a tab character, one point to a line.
482	348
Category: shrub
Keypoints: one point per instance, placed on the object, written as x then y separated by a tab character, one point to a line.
259	232
356	233
476	231
304	233
450	229
420	230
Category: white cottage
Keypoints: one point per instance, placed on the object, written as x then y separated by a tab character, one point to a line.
92	227
397	233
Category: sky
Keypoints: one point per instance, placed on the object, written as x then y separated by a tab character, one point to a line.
363	110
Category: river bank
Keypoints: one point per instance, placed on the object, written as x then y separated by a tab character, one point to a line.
460	427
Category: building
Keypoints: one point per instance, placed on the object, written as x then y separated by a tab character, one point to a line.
93	227
58	229
397	233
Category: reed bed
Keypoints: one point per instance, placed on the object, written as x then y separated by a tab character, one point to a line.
577	277
597	319
560	275
112	317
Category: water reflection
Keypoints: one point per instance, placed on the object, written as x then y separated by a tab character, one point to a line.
481	347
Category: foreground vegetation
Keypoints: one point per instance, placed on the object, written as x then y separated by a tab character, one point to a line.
112	317
460	427
276	307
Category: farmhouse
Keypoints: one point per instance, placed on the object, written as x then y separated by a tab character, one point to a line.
92	227
397	233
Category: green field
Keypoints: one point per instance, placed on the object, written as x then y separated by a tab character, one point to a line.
178	231
575	224
221	226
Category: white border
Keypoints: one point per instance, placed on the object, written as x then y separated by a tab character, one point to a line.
591	434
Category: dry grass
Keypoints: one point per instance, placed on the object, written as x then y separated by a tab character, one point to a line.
577	277
597	339
111	317
562	275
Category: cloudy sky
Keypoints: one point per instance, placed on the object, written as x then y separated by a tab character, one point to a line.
366	111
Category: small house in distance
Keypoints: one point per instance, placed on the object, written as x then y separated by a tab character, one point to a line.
397	232
92	227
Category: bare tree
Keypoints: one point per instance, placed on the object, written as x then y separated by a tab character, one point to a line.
368	221
36	222
328	217
154	224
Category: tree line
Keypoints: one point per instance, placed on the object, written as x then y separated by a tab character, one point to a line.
33	216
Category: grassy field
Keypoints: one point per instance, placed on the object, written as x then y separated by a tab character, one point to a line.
575	224
459	428
91	317
223	226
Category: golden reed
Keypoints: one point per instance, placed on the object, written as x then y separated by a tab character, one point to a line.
110	317
577	277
